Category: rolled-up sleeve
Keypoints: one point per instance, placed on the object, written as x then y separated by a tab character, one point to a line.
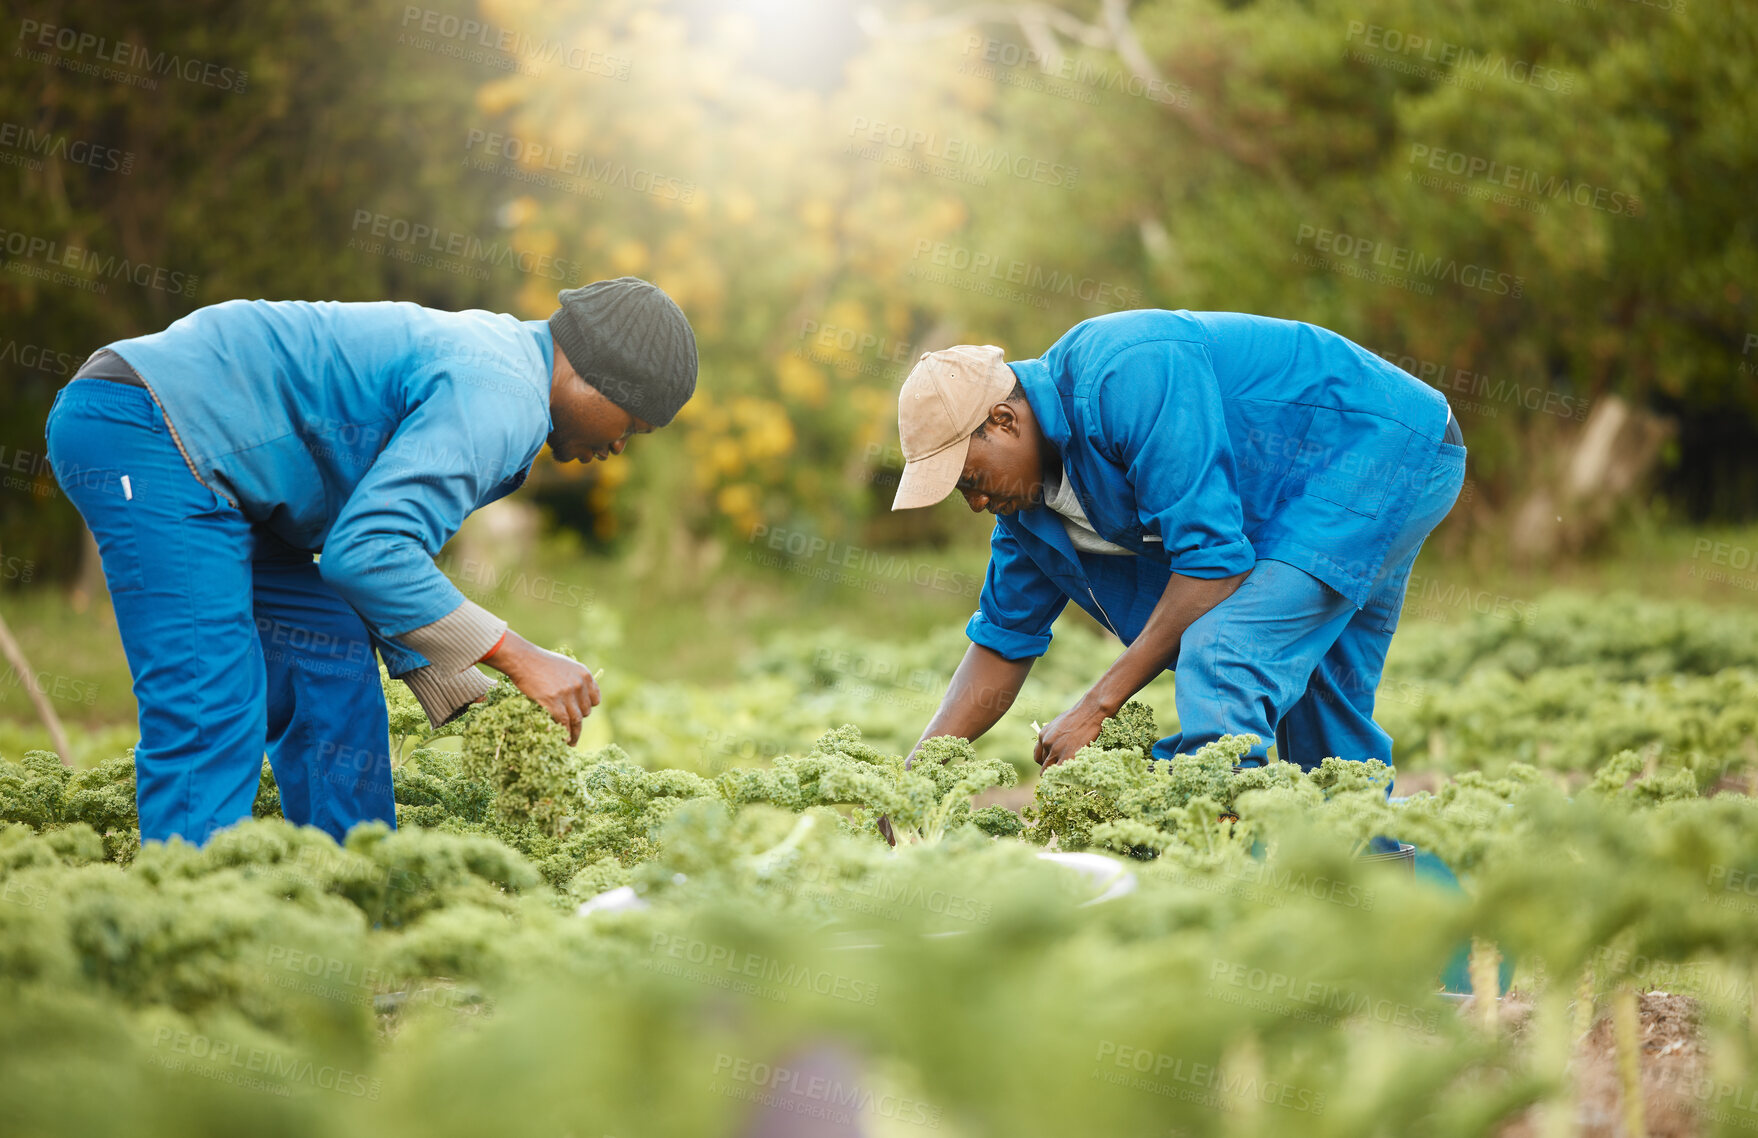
442	690
444	696
1018	604
1160	413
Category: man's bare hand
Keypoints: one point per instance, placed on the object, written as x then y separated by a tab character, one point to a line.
561	686
1068	733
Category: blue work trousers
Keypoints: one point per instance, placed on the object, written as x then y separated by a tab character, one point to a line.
1289	658
235	644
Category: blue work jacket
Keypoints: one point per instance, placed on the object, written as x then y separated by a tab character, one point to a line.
1202	442
366	432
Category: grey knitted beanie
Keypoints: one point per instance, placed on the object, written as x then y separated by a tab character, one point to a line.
631	342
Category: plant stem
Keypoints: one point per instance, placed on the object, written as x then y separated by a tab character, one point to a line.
1486	986
1626	1030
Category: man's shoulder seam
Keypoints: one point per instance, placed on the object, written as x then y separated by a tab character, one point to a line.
1146	340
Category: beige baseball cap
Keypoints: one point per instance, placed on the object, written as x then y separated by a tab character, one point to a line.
945	397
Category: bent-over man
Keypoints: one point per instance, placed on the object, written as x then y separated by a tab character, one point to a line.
1235	497
215	460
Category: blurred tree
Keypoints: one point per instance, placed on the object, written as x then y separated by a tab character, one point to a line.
162	159
1533	207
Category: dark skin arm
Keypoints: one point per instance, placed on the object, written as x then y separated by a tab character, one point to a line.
982	689
1155	650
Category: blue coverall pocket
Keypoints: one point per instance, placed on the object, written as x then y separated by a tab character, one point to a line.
1352	459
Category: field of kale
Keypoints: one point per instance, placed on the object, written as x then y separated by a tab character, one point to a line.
691	924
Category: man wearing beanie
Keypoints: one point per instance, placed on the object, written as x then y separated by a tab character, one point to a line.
217	460
1235	497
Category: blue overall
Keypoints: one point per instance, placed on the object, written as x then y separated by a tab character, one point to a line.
1214	444
369	431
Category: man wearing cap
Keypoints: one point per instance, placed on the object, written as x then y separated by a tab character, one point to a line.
216	459
1235	497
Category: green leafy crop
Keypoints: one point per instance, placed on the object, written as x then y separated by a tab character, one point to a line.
513	745
45	795
765	918
1111	795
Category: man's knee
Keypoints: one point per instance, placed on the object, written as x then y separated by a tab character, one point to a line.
1213	663
1201	644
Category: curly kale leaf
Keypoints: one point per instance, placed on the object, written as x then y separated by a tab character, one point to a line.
840	770
1131	729
430	787
103	798
1103	785
31	789
41	793
998	822
511	744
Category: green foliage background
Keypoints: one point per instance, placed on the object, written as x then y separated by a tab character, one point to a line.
799	183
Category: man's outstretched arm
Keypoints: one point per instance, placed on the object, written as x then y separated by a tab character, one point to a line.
1156	649
982	689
